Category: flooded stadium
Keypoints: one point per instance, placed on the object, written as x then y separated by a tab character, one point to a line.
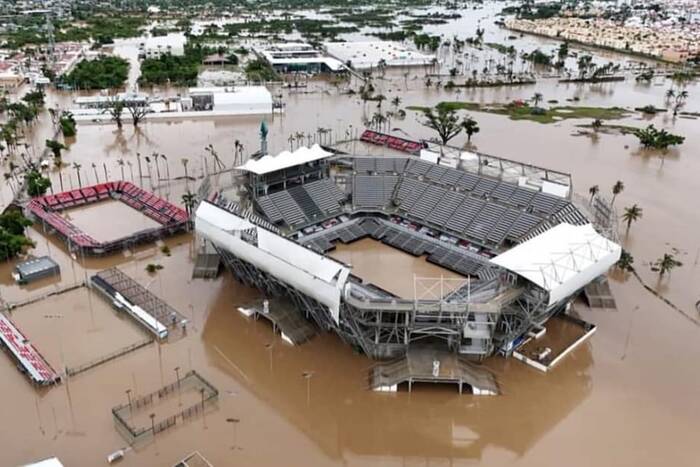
627	396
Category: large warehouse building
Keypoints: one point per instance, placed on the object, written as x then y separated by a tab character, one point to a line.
518	249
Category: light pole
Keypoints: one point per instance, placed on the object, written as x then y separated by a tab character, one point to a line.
234	422
179	393
307	376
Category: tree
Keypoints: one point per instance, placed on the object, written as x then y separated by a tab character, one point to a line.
396	102
189	200
445	123
651	137
596	124
632	214
593	191
115	110
55	147
68	125
665	264
12	238
37	184
77	168
138	112
471	127
617	188
536	99
625	263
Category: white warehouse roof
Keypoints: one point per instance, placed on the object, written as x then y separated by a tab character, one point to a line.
561	260
285	159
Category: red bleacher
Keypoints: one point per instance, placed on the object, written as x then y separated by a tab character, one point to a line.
47	208
33	363
394	142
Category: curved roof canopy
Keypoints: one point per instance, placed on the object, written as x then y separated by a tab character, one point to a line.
284	160
561	260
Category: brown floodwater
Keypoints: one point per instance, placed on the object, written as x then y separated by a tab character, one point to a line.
395	271
109	220
628	397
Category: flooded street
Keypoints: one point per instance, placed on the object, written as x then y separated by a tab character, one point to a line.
628	397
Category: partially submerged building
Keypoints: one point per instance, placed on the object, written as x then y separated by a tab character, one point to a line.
524	249
295	57
35	269
372	54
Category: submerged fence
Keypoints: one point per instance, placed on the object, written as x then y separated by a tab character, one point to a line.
192	381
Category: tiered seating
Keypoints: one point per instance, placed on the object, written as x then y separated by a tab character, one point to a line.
325	195
288	208
34	364
47	208
373	191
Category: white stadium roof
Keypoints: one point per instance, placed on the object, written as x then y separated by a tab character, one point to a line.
285	159
561	260
315	275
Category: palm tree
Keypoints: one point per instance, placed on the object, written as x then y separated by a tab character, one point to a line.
185	161
593	191
77	167
291	142
470	128
396	101
665	264
537	98
189	200
596	124
670	94
167	167
625	263
121	166
632	214
617	188
94	169
155	160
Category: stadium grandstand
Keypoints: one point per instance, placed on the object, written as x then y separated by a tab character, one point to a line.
47	210
524	249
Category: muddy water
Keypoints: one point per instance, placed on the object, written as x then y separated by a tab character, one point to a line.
75	328
109	220
627	398
397	272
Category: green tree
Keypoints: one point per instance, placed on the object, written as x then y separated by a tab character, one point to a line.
55	147
617	188
189	200
536	99
625	263
632	214
471	127
37	184
665	264
444	121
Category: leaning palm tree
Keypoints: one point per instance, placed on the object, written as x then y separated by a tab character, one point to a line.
617	188
593	191
665	264
670	94
189	200
632	214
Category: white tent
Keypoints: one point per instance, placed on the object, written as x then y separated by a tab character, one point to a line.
284	160
561	260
